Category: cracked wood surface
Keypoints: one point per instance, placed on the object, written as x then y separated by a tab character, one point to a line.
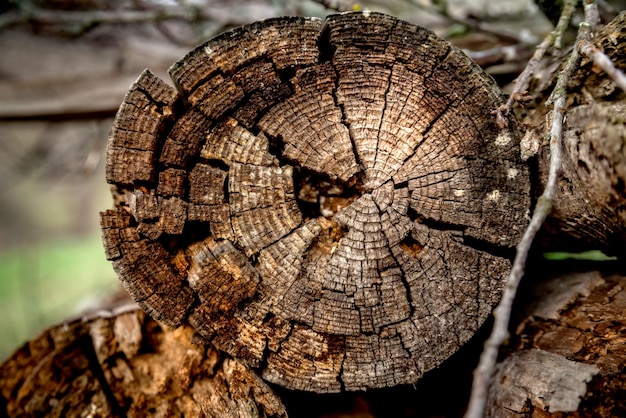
329	201
120	363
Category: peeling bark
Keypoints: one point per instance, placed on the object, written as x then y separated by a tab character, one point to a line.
122	363
568	352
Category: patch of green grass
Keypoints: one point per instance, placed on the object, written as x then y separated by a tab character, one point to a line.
593	255
44	284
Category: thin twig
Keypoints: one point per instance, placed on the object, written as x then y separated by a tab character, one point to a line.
569	7
91	17
502	314
336	5
589	50
506	53
478	25
592	17
553	39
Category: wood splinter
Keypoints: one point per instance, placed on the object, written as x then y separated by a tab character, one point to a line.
330	202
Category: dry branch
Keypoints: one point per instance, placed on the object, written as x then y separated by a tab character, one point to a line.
600	59
551	40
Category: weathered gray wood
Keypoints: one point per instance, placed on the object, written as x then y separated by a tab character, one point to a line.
547	381
335	205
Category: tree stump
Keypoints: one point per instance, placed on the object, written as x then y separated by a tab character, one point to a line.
121	363
331	201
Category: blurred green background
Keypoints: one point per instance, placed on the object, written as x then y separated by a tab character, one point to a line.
52	264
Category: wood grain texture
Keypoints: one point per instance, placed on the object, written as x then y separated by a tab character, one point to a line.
121	363
329	201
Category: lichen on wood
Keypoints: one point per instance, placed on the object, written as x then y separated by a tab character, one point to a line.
331	202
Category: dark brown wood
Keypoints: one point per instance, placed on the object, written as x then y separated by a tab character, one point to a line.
119	363
334	205
569	353
590	210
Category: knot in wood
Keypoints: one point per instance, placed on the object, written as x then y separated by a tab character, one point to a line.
329	201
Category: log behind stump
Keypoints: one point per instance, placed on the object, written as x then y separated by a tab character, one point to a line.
329	201
590	209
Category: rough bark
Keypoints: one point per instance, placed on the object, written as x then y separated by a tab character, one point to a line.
590	211
330	202
567	356
569	353
122	363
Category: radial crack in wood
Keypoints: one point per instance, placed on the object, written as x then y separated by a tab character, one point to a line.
334	206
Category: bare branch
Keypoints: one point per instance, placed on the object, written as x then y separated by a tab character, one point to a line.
502	314
337	5
500	53
85	19
553	39
480	25
569	7
91	17
601	60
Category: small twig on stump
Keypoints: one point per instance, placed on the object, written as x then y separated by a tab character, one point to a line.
502	314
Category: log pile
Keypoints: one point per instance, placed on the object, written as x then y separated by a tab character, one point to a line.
331	206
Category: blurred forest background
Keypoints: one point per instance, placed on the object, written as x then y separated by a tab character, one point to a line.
65	67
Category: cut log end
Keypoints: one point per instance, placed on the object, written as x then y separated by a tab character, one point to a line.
334	204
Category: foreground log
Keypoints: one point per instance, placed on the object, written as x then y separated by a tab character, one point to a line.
330	202
122	363
569	352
